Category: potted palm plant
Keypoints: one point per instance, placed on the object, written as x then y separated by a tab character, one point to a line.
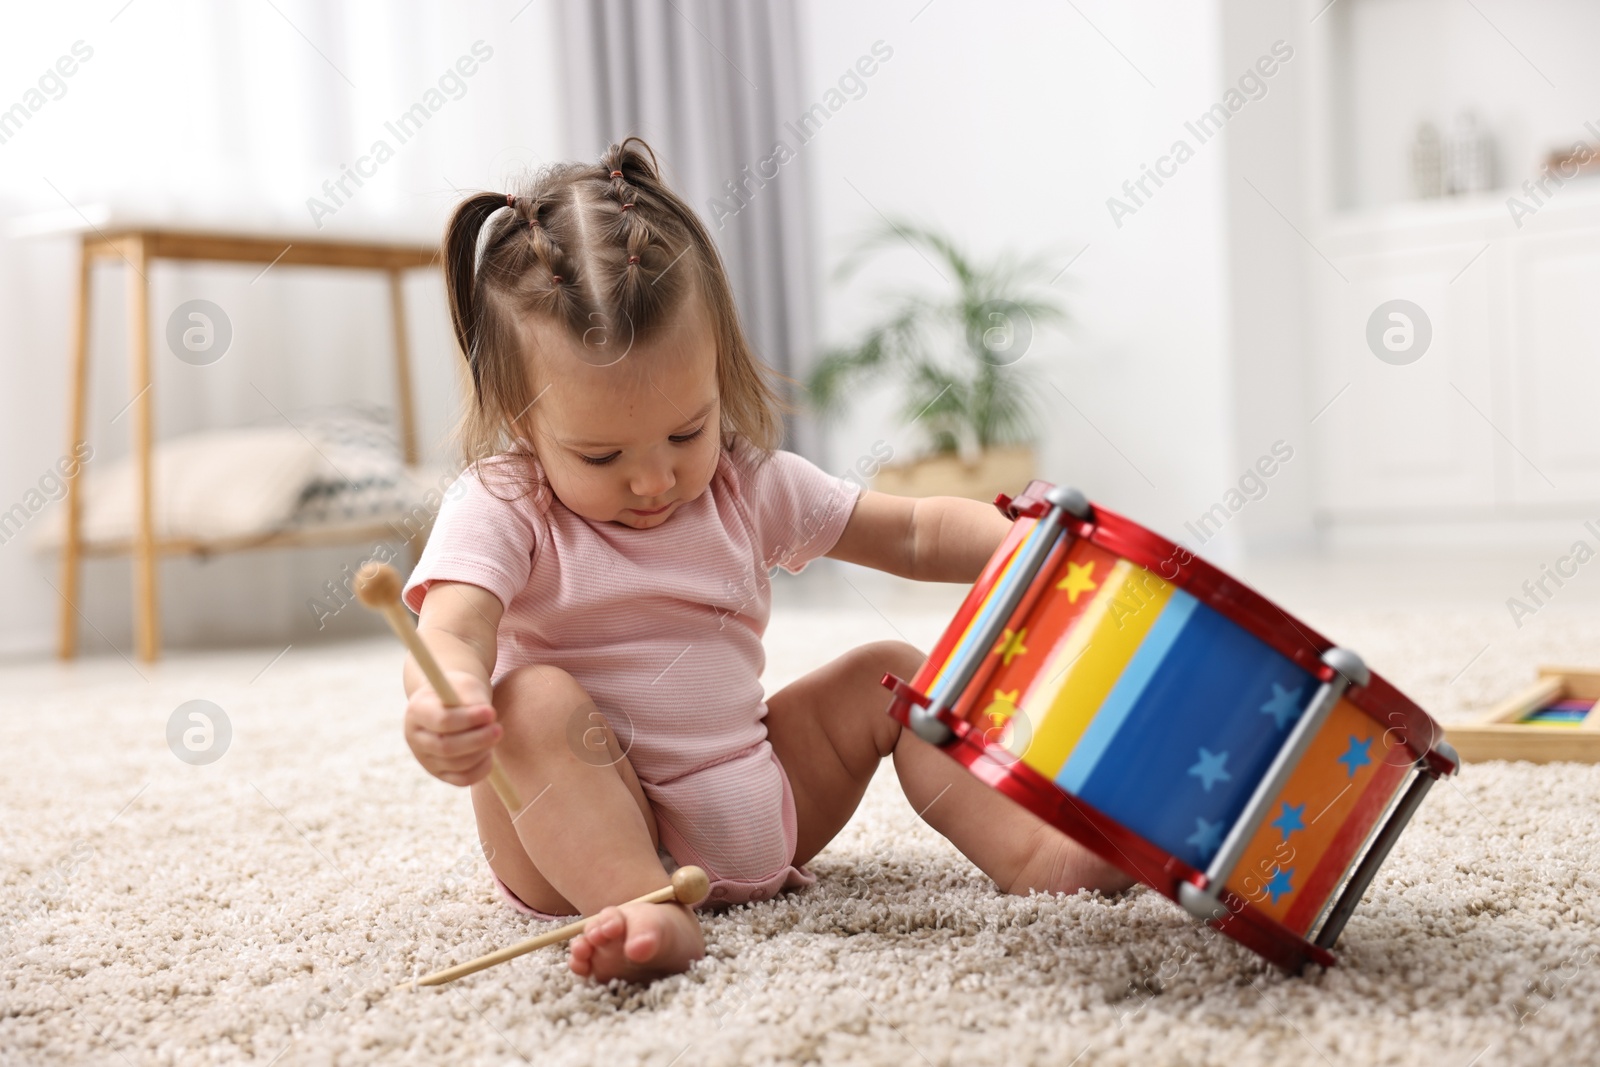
954	356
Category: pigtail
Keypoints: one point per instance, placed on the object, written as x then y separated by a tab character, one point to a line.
461	236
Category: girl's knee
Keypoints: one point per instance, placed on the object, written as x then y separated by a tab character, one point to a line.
546	707
872	662
539	699
893	657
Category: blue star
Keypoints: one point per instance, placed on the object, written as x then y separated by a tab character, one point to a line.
1292	819
1284	705
1356	756
1207	837
1280	884
1209	770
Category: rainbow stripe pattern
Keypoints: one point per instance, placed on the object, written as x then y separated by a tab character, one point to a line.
1125	691
1564	712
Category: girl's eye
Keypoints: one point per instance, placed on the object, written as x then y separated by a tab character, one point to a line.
678	439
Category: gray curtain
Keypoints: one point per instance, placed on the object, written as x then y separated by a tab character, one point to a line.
710	84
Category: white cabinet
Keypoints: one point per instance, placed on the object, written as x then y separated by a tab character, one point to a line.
1552	353
1408	436
1498	416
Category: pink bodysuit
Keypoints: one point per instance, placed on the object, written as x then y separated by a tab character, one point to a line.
662	628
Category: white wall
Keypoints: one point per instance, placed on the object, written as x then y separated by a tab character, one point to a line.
230	116
1009	126
1269	196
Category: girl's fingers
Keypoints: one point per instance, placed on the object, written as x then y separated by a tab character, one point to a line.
443	720
469	742
445	747
454	743
458	764
475	773
464	761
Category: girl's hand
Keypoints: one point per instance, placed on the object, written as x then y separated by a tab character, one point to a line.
455	745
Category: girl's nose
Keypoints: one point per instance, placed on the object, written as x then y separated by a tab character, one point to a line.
653	478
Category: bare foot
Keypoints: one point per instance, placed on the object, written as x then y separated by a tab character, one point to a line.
1059	864
637	943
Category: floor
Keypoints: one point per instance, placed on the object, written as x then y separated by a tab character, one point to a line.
260	908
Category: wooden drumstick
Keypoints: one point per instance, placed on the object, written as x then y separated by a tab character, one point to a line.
689	886
378	587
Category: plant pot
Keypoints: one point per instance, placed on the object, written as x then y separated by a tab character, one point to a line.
997	470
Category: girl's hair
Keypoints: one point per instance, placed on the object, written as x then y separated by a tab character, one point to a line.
610	253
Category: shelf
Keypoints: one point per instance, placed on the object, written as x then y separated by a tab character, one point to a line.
140	246
307	537
243	248
1482	208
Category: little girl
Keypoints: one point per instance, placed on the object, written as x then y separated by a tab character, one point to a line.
596	587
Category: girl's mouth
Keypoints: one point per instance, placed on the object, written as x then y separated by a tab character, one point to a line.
657	511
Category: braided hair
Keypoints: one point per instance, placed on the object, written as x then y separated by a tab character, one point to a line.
609	253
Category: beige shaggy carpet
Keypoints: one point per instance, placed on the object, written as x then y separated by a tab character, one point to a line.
258	908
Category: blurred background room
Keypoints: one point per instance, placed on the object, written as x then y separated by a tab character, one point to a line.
1188	221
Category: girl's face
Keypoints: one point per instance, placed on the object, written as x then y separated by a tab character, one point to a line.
629	440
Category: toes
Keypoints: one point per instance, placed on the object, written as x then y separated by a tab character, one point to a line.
642	946
638	945
579	959
605	927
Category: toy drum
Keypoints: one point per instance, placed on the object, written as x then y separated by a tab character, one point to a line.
1176	723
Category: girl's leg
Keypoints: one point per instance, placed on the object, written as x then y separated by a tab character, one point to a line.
830	729
586	837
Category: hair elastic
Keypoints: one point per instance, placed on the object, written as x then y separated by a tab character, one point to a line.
633	259
616	174
556	279
625	207
511	200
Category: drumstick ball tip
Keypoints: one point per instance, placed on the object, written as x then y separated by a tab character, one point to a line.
377	585
690	885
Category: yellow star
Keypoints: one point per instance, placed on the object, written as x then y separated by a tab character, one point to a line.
1078	580
1010	645
1003	707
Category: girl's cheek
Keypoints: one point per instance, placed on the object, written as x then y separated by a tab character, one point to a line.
708	460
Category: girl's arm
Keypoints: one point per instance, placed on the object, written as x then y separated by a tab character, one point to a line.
932	539
458	623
